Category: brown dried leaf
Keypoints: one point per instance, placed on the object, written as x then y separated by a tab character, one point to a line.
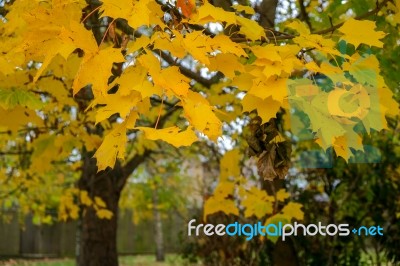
265	164
125	40
274	161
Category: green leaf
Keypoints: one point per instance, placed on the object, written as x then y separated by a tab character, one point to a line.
10	98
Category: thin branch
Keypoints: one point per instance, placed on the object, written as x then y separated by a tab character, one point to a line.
136	160
156	100
185	71
91	13
106	32
3	11
304	14
160	110
365	15
320	32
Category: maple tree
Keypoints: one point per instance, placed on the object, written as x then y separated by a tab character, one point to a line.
87	87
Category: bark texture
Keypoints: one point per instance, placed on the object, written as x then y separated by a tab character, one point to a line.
285	254
98	237
267	12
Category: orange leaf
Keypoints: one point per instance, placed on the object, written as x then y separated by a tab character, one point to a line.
187	7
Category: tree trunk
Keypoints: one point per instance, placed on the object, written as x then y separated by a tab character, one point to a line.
158	233
98	238
268	13
285	254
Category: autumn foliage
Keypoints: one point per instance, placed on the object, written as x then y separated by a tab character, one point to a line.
114	77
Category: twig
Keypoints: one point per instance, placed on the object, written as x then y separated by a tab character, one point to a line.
304	14
365	15
88	15
160	110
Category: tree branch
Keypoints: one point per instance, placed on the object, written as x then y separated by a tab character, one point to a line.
136	160
286	36
304	14
185	71
365	15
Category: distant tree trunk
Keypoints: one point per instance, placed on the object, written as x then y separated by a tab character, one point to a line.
158	233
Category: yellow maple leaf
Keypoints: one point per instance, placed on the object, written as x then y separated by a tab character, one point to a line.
5	65
243	82
175	46
45	40
341	148
257	202
198	45
201	115
230	164
99	202
224	44
250	28
293	210
282	195
361	31
179	87
43	154
257	208
266	108
117	9
133	78
273	87
113	147
104	214
95	69
226	63
299	26
138	43
209	13
269	52
246	9
224	189
137	13
130	120
214	205
85	199
116	103
171	135
308	40
91	142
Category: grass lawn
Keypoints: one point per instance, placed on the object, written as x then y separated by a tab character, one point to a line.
140	260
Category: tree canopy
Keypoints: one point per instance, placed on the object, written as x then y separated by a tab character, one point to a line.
120	80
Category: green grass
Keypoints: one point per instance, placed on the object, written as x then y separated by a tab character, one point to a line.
141	260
